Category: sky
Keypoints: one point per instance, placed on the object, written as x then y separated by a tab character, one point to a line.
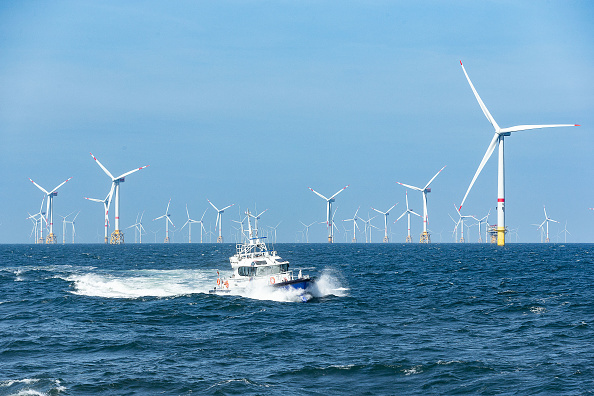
252	102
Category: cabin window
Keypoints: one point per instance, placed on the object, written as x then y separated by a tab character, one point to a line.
272	269
246	271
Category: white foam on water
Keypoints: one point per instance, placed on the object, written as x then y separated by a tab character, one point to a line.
146	283
328	284
13	382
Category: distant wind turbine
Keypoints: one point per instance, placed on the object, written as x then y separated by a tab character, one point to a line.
219	222
386	214
51	237
167	217
329	219
408	212
546	220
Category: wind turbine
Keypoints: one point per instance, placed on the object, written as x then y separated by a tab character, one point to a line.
274	228
219	222
138	227
425	237
497	140
106	203
117	236
386	213
408	212
189	224
547	220
367	225
354	220
565	231
461	222
307	230
39	229
51	237
480	221
167	221
329	220
64	221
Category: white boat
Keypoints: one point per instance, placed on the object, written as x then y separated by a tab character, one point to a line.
254	267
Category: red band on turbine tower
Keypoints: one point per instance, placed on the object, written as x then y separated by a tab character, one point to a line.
500	199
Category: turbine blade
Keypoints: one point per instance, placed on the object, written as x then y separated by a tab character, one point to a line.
405	212
61	184
318	194
102	167
39	187
486	157
411	187
393	206
215	208
433	178
132	171
480	101
168	203
95	199
518	128
227	207
339	191
160	217
378	211
415	213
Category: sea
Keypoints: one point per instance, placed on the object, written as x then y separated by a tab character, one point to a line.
383	319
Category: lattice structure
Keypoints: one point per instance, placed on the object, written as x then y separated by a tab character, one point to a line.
117	237
408	239
425	238
51	238
329	239
166	240
220	239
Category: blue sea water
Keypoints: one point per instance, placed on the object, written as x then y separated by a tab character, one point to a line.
386	319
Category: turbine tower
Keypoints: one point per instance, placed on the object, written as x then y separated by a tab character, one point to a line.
106	203
117	236
461	222
425	237
481	221
51	237
497	140
329	220
354	220
167	221
189	224
219	222
386	213
547	220
408	212
307	230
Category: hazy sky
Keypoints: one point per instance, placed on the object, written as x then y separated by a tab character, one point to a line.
251	102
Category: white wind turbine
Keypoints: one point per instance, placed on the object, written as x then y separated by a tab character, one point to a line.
355	225
189	224
51	237
481	221
106	203
39	216
565	231
138	227
274	229
167	221
219	222
64	227
117	236
547	220
367	226
425	237
73	228
408	212
461	222
307	230
329	220
386	213
497	140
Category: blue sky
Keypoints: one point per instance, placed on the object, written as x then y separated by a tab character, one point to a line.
251	102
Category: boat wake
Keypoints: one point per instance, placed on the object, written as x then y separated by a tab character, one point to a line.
175	283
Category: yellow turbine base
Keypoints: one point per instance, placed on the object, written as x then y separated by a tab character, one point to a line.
386	240
329	239
425	238
462	240
354	240
166	239
408	239
220	239
117	237
51	238
106	240
500	236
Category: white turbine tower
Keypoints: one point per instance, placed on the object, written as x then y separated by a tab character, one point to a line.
117	236
106	203
367	226
547	220
386	213
189	224
461	222
219	222
425	237
329	219
355	225
497	140
138	227
408	212
167	221
307	230
51	237
39	216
